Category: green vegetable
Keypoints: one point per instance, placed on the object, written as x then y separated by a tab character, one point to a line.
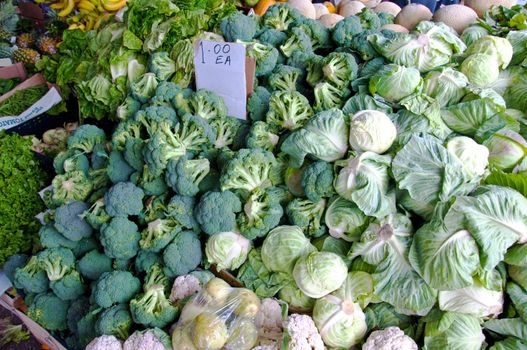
22	100
10	333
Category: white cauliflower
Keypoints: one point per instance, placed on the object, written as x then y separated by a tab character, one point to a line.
302	333
391	338
183	287
269	319
151	339
105	342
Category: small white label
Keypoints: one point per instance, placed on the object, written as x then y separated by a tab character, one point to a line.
220	67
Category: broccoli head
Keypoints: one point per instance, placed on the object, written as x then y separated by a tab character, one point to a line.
238	26
272	37
345	31
317	32
181	209
76	162
128	108
258	103
161	65
298	41
151	117
369	19
156	276
184	175
248	170
85	137
145	260
123	199
307	215
71	186
266	57
130	129
115	321
216	211
93	264
153	309
57	262
284	78
207	105
229	131
181	101
261	213
288	110
49	311
314	66
317	181
69	287
133	153
280	17
328	96
120	238
86	325
115	287
145	87
85	245
385	18
31	277
51	238
340	68
166	91
118	169
261	136
96	215
158	234
14	262
183	254
362	45
151	185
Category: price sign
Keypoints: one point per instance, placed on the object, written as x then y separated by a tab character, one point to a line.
220	67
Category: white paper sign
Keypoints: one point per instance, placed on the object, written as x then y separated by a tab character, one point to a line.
220	67
51	98
5	284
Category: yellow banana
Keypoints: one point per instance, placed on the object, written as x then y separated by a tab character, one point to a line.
110	5
86	5
58	5
89	23
68	9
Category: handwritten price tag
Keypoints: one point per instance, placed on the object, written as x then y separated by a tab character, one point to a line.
220	67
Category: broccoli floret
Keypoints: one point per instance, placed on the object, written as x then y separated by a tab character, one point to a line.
99	156
229	131
317	32
86	326
93	264
130	129
258	103
128	108
261	136
207	105
118	169
115	287
272	37
161	65
72	186
57	262
216	211
166	91
300	60
298	40
116	321
280	17
152	185
133	153
248	170
49	311
158	234
340	68
181	208
238	26
314	69
85	137
328	96
96	215
183	254
266	57
369	19
31	277
288	110
156	276
152	117
145	260
284	78
120	238
184	175
385	18
317	181
261	213
307	215
181	101
363	47
76	311
124	198
69	287
153	309
13	263
144	88
345	31
85	245
51	238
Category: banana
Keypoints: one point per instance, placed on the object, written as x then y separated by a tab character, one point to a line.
90	23
67	9
112	5
58	5
86	5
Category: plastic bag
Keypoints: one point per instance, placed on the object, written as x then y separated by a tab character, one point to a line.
218	318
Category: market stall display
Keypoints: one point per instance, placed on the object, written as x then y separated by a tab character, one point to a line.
376	190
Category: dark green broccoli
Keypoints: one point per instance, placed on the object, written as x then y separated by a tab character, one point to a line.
266	57
317	32
85	137
328	96
130	129
120	238
261	213
280	17
124	198
151	185
153	309
288	110
340	68
86	326
85	245
118	169
317	181
345	31
298	40
152	117
31	277
207	105
166	91
362	45
284	78
69	221
72	186
216	212
229	132
145	260
155	209
299	60
69	287
122	264
93	264
238	26
116	321
183	254
78	308
181	208
307	215
272	37
57	262
158	234
115	287
96	215
248	170
261	136
184	175
51	238
128	108
258	103
49	311
156	276
314	68
369	19
161	65
133	153
13	263
99	156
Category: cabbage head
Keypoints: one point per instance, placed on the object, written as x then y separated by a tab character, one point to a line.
475	157
394	82
475	300
447	86
294	297
454	331
371	130
495	46
228	250
481	69
507	149
345	220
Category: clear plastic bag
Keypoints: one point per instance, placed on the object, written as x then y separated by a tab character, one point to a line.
219	317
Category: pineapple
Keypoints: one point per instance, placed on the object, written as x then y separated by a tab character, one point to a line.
47	45
6	51
26	56
5	35
25	40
